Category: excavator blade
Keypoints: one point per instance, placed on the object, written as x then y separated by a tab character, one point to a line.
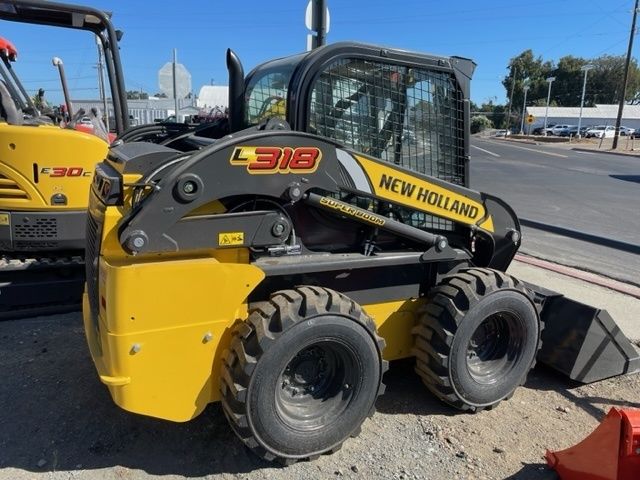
611	452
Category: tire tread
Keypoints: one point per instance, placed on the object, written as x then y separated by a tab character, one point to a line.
439	319
251	338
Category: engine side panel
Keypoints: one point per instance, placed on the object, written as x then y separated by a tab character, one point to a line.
46	167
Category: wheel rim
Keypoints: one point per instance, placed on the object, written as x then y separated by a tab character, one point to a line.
316	386
495	347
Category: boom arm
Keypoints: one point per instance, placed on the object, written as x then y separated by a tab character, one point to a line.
293	167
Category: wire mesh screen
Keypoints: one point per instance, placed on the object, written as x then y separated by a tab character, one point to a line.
266	98
408	116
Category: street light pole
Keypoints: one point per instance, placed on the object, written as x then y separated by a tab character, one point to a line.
513	87
546	114
175	81
524	107
585	69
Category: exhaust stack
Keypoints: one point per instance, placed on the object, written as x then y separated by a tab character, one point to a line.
236	92
57	62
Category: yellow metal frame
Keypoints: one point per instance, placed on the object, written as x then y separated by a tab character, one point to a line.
163	326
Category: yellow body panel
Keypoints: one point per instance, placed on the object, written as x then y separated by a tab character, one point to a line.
161	357
162	329
62	160
394	321
164	325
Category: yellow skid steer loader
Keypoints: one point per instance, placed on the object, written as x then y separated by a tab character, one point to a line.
280	268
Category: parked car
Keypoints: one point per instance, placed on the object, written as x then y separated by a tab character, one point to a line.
540	130
583	130
409	137
601	131
570	131
627	131
557	129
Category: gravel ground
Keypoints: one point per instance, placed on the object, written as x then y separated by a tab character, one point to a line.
58	422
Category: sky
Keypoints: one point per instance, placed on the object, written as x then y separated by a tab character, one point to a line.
489	32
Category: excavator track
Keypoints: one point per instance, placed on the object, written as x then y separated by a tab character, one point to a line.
40	285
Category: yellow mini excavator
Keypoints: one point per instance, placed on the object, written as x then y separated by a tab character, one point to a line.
45	174
278	269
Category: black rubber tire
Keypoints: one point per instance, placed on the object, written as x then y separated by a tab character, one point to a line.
477	338
264	371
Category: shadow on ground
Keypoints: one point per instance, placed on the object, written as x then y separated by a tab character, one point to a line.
55	409
627	178
534	472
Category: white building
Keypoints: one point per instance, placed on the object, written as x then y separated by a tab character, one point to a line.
145	111
598	115
212	96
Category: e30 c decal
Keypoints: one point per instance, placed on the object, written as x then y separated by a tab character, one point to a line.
267	160
65	172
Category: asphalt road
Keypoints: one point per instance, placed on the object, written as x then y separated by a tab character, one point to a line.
590	192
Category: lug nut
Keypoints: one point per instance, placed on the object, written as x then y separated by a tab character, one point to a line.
207	337
135	348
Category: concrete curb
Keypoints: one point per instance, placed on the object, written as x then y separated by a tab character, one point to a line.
606	152
514	140
588	277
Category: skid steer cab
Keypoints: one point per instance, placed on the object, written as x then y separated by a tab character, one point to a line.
280	268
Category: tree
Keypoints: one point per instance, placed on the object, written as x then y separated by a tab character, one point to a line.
605	81
604	84
480	123
567	88
527	65
495	113
137	95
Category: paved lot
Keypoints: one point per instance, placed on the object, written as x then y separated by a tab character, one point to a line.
592	192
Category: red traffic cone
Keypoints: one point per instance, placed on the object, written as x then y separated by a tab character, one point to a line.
611	452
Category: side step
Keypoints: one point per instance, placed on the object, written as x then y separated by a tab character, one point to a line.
581	341
611	452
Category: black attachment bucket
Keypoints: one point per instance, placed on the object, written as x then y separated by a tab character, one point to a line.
582	341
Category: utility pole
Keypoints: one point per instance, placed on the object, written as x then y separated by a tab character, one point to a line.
513	86
524	107
175	83
623	93
546	113
585	69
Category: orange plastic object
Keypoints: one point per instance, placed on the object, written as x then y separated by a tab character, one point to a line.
611	452
10	50
81	127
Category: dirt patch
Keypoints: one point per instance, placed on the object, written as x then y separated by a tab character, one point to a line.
58	422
